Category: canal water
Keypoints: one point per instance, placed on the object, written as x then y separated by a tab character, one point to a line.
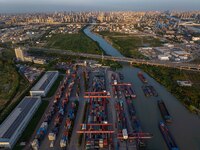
185	127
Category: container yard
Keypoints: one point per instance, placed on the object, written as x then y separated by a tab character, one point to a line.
93	108
97	129
57	125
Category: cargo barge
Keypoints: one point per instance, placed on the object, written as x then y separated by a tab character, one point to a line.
153	91
167	136
164	112
129	92
146	92
141	77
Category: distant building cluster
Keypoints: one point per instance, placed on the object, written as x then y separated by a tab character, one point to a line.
177	52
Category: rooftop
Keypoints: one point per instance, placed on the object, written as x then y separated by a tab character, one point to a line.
13	121
44	81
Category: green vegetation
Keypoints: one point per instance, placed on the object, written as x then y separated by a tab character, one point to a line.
11	83
32	125
9	80
55	86
65	57
189	96
113	64
128	44
76	42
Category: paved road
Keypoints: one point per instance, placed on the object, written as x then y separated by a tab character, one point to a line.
74	145
181	65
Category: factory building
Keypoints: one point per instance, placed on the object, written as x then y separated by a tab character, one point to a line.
16	122
44	84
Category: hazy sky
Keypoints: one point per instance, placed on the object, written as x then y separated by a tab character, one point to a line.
84	5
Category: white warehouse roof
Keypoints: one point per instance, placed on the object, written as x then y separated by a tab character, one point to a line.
44	81
14	124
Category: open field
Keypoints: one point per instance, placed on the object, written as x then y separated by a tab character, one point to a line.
128	44
75	42
188	95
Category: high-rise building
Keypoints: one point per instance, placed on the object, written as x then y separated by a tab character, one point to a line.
20	53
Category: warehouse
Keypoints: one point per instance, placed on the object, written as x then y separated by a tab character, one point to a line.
16	122
44	84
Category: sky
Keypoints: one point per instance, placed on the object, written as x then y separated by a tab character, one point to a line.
18	6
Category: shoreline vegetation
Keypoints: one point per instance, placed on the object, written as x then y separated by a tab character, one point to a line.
189	96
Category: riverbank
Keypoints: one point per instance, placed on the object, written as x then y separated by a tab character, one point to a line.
168	77
128	44
77	42
185	124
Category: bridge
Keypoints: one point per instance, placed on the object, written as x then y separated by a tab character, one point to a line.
180	65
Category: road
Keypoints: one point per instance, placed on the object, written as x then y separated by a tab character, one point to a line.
180	65
74	145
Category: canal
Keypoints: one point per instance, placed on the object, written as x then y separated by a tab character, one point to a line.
185	127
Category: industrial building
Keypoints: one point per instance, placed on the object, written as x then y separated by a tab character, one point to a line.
16	122
163	57
44	84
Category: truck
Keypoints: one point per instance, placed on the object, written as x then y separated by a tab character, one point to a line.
125	134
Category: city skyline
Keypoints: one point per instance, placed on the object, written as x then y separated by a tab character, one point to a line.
20	6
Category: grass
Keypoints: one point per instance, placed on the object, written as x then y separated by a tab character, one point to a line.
12	84
113	64
128	44
55	86
189	96
32	125
76	42
9	77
